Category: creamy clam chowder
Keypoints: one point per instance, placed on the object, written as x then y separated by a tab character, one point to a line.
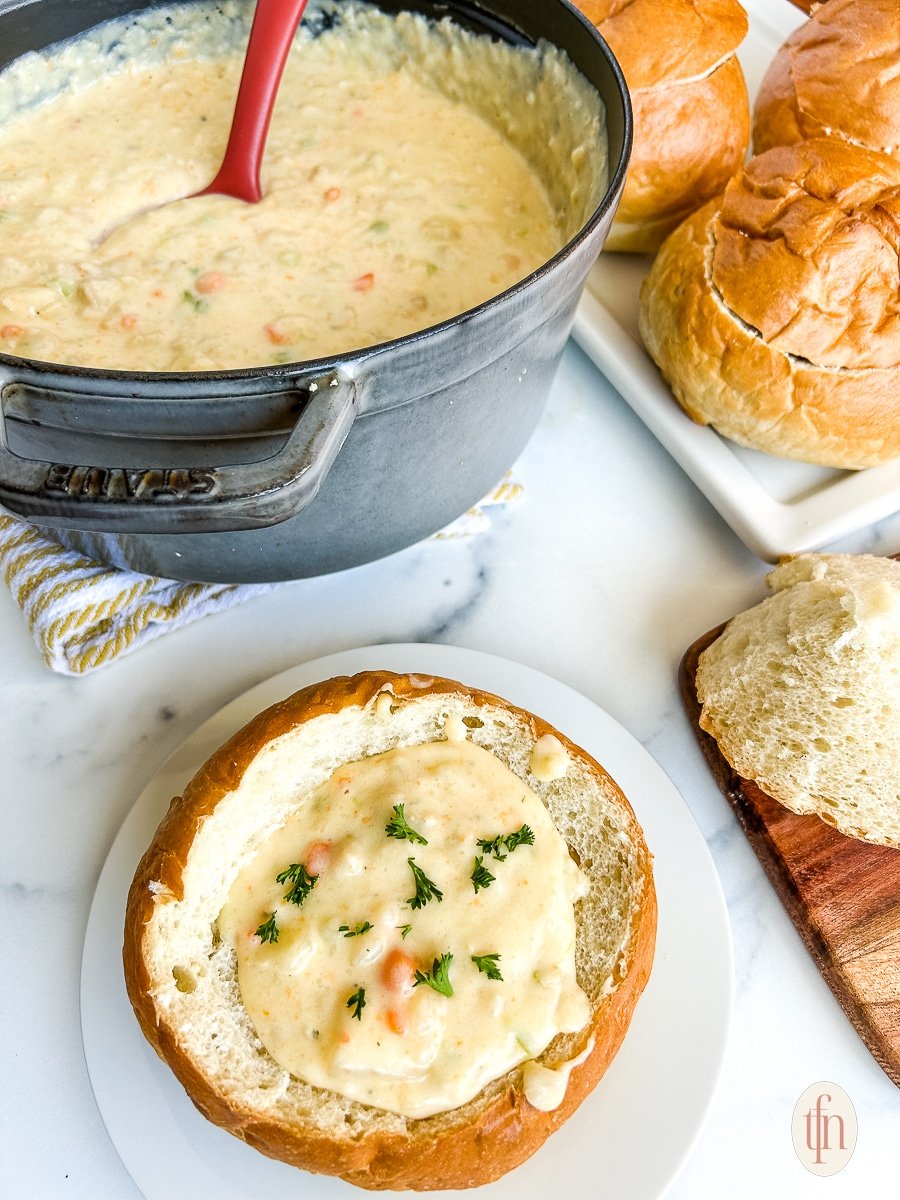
408	934
413	171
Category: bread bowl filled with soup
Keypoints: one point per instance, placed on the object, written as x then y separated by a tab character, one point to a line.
209	389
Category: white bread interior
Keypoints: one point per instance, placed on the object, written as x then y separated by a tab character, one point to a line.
183	983
802	692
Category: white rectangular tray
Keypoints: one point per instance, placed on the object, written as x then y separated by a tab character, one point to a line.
774	505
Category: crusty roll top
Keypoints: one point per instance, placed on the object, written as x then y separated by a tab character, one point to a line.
806	252
836	75
690	105
668	41
774	312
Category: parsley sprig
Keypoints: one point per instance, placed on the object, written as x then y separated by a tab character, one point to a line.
487	964
438	978
303	883
481	876
355	930
524	836
268	931
357	1002
398	827
426	889
197	303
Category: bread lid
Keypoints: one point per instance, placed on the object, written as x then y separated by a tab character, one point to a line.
839	71
690	38
806	252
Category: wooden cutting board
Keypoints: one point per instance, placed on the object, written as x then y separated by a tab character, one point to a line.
843	895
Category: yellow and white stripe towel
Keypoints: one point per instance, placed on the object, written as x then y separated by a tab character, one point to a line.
83	615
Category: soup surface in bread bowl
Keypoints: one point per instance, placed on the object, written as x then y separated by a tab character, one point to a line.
413	171
426	942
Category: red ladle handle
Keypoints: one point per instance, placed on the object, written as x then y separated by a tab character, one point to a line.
271	35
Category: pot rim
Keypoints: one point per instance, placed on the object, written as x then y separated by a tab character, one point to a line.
215	380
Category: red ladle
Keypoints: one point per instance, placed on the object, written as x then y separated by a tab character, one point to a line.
271	35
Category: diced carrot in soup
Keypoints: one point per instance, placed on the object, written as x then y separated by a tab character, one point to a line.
399	973
276	334
210	281
397	1020
317	857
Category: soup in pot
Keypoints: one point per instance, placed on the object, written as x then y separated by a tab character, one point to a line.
412	172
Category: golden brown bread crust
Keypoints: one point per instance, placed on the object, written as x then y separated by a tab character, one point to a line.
690	103
689	139
806	251
430	1154
774	313
836	75
660	42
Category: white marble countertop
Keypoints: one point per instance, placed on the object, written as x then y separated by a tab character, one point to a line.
601	576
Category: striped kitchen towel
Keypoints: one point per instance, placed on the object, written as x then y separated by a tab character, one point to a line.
84	615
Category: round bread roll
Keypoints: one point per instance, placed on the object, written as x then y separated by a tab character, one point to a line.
835	76
802	692
774	312
691	110
182	975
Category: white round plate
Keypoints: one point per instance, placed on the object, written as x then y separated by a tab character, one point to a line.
633	1133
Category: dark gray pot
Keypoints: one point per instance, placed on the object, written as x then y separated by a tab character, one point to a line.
285	472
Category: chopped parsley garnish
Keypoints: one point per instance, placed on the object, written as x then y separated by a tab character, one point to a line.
303	882
404	930
487	964
379	227
356	930
493	846
268	931
524	836
357	1002
481	876
438	978
398	828
425	889
505	843
197	303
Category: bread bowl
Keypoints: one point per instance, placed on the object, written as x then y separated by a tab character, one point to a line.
802	692
835	76
774	311
691	110
180	969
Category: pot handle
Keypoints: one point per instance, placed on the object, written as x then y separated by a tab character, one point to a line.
187	499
